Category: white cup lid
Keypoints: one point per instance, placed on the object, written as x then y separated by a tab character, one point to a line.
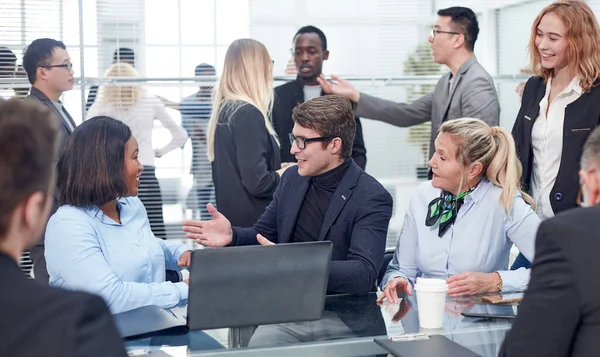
431	284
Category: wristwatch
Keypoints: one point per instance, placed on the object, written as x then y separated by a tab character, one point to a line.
499	286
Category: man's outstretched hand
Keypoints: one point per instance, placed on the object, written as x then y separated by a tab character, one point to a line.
214	233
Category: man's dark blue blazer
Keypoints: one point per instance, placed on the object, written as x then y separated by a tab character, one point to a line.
356	223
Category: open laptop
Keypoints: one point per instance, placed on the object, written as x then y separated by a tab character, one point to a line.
258	285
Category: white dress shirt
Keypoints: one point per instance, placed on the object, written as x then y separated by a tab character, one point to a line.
479	240
547	143
140	119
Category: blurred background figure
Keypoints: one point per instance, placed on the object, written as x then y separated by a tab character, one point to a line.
195	115
10	69
123	54
137	108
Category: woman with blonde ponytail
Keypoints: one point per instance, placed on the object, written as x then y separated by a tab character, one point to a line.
461	225
242	144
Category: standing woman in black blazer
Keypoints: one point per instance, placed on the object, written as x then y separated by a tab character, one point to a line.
560	105
242	144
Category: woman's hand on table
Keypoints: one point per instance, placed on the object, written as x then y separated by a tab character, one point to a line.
393	288
185	259
472	283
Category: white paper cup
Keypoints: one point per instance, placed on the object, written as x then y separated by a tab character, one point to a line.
431	299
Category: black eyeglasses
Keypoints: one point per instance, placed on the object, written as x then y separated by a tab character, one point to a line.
301	142
67	66
436	31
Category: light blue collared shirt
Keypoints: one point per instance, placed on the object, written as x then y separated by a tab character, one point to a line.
479	240
123	263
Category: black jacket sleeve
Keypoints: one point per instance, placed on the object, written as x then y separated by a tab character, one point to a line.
549	314
358	274
359	151
96	331
253	143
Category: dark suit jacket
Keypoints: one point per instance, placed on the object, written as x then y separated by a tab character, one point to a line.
356	223
581	117
246	158
560	313
37	251
38	320
287	97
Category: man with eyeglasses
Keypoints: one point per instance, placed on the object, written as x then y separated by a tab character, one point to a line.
309	51
50	72
327	196
466	91
560	312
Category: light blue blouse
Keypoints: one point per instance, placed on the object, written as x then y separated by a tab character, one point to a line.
479	240
123	263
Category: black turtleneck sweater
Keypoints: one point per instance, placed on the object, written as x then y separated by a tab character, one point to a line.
315	204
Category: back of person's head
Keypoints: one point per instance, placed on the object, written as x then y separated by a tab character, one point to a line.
582	37
8	62
465	22
204	69
313	29
590	170
91	167
124	54
330	116
120	94
39	54
590	157
28	150
247	77
494	148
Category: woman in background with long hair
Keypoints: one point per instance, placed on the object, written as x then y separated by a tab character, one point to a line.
242	144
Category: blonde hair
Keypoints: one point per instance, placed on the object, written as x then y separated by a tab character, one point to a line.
583	42
247	77
494	148
119	95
